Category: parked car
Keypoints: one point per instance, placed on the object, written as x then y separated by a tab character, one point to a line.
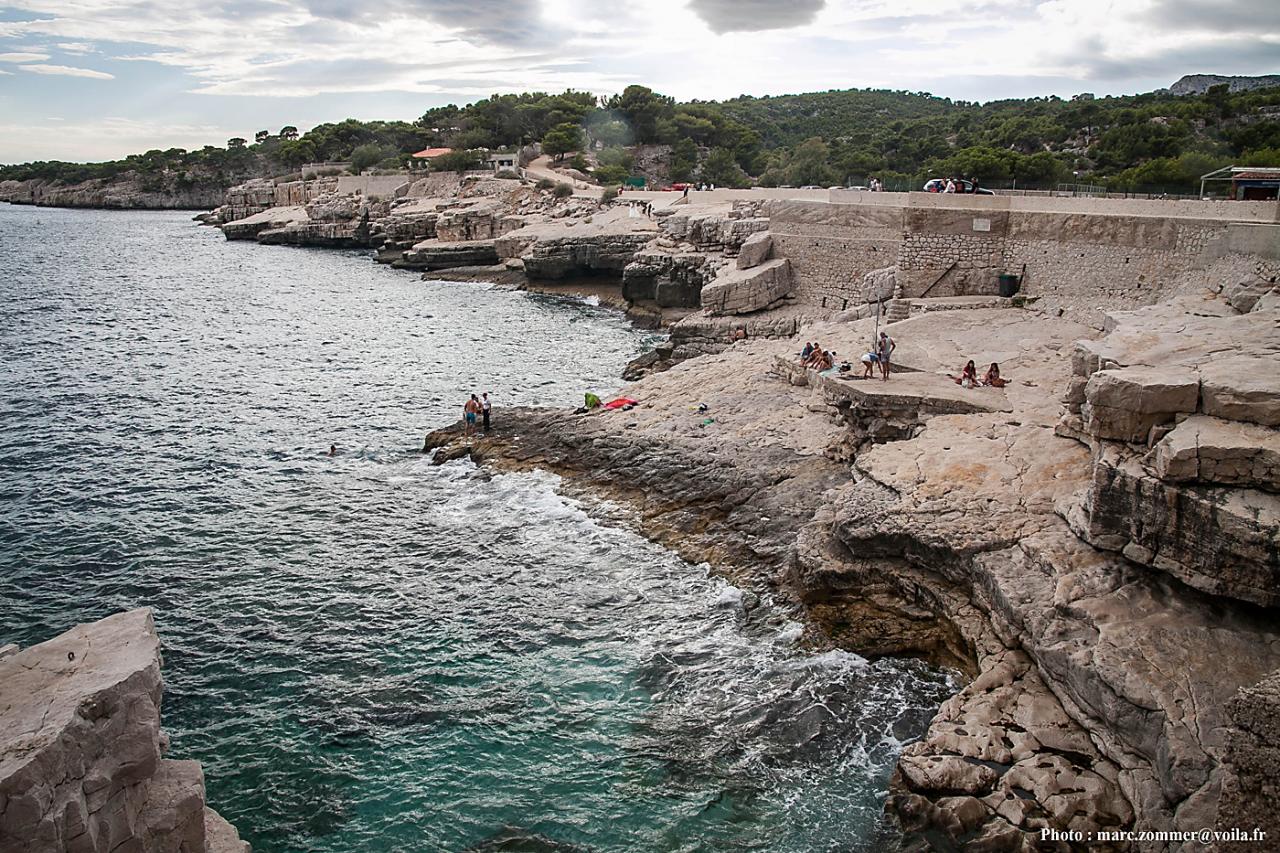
937	185
680	187
810	187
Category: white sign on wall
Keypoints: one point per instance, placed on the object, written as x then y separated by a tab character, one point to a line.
982	225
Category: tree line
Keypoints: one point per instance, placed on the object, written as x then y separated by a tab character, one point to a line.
1136	142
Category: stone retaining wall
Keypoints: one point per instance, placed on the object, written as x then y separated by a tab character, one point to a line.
1074	259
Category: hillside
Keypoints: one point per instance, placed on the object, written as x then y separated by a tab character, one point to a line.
1159	141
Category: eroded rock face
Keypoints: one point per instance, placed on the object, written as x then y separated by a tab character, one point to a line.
441	255
1253	751
1099	685
80	749
562	257
1204	449
1219	540
1179	405
668	279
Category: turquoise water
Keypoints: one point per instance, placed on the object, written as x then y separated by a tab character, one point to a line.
369	653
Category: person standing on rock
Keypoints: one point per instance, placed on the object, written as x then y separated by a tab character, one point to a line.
485	405
884	349
469	412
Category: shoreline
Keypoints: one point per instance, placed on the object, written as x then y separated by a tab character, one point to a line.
1115	649
952	588
782	507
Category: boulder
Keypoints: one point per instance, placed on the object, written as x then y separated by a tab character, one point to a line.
880	284
80	747
755	250
739	291
1124	404
1205	449
1244	294
1242	388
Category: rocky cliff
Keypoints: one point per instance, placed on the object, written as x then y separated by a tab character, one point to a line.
129	194
916	517
1198	84
82	764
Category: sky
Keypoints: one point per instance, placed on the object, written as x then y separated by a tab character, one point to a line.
98	79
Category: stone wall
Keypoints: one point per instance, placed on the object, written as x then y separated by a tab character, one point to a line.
1073	256
831	247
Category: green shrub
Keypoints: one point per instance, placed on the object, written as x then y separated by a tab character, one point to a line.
562	191
610	193
611	174
545	183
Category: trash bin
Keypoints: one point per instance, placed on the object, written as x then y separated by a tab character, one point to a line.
1009	284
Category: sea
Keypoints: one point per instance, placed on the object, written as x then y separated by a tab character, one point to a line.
366	652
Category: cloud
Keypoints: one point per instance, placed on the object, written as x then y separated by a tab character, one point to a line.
23	57
726	16
67	71
1217	16
496	22
55	139
75	47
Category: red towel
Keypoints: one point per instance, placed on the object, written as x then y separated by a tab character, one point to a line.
619	403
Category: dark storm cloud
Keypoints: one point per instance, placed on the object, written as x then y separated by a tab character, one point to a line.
726	16
500	22
1218	16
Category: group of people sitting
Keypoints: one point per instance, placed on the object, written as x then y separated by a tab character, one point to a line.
815	357
968	377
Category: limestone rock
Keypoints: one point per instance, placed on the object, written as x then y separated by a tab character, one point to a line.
173	818
755	250
80	747
880	284
220	836
1125	404
1219	540
562	257
1204	449
1243	388
743	291
1243	295
1253	753
441	255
